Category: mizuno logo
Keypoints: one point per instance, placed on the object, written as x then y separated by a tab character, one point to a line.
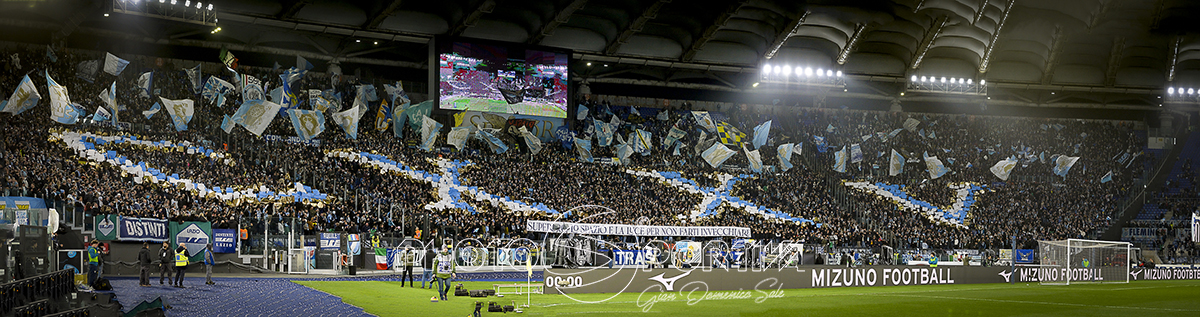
1006	275
669	283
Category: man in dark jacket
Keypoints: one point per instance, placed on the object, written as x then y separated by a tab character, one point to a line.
167	263
145	261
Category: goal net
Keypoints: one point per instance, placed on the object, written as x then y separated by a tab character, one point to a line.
1064	262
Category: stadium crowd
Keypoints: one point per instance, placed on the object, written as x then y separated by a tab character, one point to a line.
1034	203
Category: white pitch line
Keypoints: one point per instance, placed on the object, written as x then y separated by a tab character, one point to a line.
1043	303
786	296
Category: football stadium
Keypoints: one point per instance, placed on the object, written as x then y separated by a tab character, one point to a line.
599	158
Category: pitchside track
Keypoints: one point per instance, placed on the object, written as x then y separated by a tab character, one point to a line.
1139	298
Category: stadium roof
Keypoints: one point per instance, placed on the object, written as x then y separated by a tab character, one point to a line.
1116	53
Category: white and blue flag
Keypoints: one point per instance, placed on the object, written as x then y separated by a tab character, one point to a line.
348	120
839	160
761	133
717	154
114	65
581	112
61	109
1106	178
153	110
935	166
256	115
1063	164
180	111
896	166
23	98
1003	168
604	132
754	158
494	143
101	115
584	148
307	123
143	83
194	75
784	153
429	132
856	154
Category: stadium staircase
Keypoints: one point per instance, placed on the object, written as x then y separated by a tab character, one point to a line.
1171	158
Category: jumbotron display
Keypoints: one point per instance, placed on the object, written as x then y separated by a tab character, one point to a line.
499	78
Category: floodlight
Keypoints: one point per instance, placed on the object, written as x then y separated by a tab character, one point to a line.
808	71
787	70
943	80
830	73
1171	91
839	73
914	78
778	70
924	79
968	81
766	68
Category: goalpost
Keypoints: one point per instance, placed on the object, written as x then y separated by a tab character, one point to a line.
1064	262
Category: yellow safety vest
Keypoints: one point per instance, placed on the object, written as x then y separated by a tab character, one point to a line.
181	259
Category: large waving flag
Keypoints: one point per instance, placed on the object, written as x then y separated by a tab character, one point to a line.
181	112
1003	168
839	160
292	75
194	76
425	108
856	154
604	132
214	87
584	148
308	123
348	120
86	70
61	110
153	110
761	133
717	154
581	112
494	143
396	94
704	120
109	96
429	132
226	123
896	166
754	158
256	115
399	118
144	81
644	142
101	114
458	137
229	60
784	154
729	135
532	141
303	63
673	135
23	98
383	117
1106	178
1063	164
114	65
935	166
623	152
252	88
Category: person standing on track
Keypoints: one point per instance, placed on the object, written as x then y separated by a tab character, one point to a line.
166	262
409	258
181	263
145	261
209	261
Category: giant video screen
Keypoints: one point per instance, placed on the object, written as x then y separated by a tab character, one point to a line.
502	78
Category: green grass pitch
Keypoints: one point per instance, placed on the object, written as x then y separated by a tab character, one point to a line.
1139	298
